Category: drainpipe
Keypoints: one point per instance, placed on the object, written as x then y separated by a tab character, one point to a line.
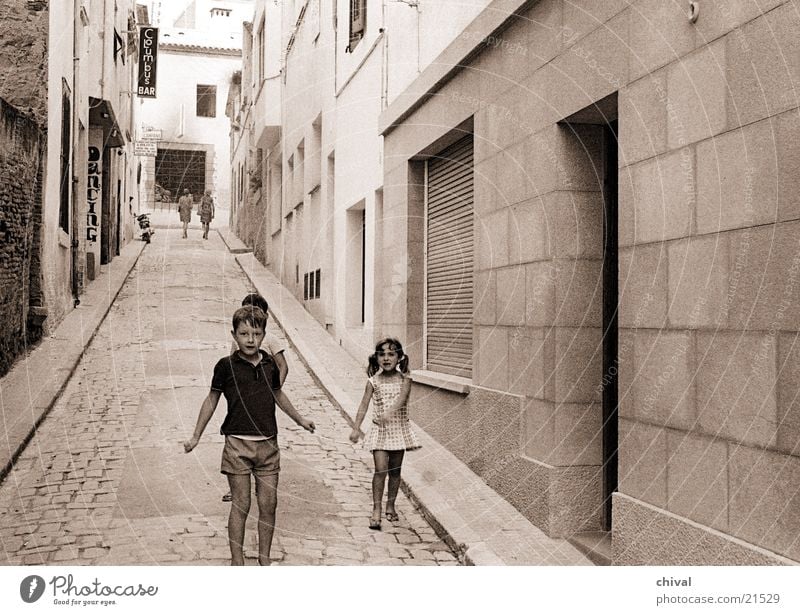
385	62
74	242
335	19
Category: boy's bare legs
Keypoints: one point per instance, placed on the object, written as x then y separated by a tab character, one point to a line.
381	459
395	462
240	506
267	497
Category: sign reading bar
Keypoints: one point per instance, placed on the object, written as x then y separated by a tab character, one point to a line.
148	57
145	148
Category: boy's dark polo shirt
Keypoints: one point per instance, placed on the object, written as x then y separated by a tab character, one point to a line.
248	390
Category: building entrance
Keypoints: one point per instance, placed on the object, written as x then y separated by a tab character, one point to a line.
177	169
609	320
598	124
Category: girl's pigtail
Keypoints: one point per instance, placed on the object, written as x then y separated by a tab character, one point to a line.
373	367
403	364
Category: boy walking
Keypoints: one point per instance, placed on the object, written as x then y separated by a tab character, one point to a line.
250	382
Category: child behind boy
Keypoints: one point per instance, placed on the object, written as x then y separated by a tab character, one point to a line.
249	380
272	344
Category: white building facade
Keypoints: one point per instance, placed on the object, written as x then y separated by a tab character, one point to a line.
199	51
317	199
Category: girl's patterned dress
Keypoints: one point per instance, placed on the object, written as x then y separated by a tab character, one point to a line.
396	434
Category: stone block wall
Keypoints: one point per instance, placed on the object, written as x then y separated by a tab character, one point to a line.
709	262
21	160
709	286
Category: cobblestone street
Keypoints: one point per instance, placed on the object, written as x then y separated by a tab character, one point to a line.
105	480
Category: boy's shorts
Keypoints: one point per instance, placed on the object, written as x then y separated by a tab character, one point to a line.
261	457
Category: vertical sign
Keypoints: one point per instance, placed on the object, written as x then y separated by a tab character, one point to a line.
148	56
93	193
94	196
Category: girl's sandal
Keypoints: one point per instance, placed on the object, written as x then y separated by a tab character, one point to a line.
374	524
392	516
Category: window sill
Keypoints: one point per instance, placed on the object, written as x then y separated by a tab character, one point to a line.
456	384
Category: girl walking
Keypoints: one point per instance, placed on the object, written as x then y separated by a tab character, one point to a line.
390	435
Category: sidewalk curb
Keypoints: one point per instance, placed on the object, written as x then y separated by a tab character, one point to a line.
54	360
232	242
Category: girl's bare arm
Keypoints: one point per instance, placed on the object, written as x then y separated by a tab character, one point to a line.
363	406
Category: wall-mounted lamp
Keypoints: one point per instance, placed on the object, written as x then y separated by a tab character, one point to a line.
694	11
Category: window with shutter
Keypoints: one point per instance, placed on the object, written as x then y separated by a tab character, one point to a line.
449	260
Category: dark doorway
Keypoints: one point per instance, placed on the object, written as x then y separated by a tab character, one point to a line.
105	218
609	319
602	118
177	169
119	216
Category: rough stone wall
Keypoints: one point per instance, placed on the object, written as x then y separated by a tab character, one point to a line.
21	158
23	56
251	223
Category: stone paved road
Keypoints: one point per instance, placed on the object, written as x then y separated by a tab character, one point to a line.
105	480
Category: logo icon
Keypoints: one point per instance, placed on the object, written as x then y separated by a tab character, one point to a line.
31	588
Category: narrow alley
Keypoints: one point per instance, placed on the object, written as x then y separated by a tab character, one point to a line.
105	481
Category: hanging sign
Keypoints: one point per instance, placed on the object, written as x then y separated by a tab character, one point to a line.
148	57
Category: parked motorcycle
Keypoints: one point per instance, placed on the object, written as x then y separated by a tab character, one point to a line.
144	225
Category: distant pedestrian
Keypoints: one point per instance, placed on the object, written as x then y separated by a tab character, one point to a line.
185	204
274	347
206	212
390	435
249	380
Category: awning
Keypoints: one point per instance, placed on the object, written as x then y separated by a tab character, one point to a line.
101	113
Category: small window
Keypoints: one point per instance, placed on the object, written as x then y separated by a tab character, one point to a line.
316	288
358	22
305	287
206	100
261	54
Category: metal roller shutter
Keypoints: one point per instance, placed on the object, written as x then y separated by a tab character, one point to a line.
449	260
